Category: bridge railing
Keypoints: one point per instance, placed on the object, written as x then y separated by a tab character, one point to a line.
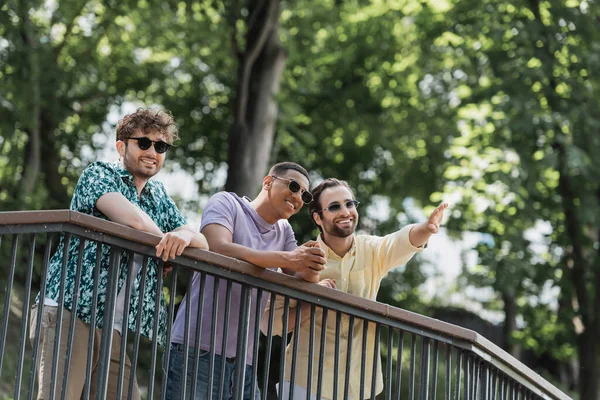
421	358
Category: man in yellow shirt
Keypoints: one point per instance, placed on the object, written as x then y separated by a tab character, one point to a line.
356	264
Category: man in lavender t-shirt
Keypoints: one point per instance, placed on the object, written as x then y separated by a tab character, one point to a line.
255	231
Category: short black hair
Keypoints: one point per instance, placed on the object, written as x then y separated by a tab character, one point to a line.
283	167
315	205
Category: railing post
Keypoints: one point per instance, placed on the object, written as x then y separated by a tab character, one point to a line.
25	318
108	322
242	344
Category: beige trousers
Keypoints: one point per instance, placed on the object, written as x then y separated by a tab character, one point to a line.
79	356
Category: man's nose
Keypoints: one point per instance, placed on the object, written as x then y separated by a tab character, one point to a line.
297	195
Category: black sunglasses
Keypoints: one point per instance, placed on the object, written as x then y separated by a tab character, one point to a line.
295	187
144	144
335	207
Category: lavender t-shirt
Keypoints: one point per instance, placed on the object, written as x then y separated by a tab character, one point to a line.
250	230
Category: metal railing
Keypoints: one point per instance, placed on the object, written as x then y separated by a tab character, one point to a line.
423	358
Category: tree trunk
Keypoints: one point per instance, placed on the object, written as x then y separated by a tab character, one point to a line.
32	162
261	66
510	324
589	368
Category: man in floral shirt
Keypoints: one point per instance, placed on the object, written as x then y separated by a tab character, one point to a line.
122	193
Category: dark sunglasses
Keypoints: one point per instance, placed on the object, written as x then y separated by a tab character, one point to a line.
335	207
144	144
295	187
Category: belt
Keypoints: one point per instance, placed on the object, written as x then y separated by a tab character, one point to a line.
181	347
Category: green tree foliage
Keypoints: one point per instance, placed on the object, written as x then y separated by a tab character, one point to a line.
487	103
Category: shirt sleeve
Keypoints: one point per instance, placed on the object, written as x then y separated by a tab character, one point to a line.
95	181
290	238
220	209
394	250
172	216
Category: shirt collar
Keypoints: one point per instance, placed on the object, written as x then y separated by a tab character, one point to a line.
128	178
330	253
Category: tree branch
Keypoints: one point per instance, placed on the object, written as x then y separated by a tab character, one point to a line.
58	49
235	12
254	43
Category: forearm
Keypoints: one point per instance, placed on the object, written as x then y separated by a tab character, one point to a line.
118	209
146	224
198	240
264	259
419	234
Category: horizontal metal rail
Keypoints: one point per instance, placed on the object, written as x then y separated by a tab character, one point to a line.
339	345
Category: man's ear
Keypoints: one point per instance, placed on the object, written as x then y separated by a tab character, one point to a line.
120	148
317	219
267	182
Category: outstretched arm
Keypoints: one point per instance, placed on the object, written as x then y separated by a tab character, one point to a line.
420	233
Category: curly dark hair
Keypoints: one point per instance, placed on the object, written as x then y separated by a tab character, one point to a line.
147	121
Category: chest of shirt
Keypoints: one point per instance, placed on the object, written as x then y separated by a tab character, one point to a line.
247	233
354	274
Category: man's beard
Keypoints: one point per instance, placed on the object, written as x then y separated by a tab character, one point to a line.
134	169
335	230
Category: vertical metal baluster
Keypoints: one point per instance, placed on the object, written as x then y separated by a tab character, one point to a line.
494	380
311	352
198	340
38	325
167	351
138	324
363	359
9	284
411	382
435	370
349	357
467	368
296	338
60	312
485	384
108	322
25	318
322	352
424	364
159	290
186	333
336	362
399	363
265	379
375	361
213	337
242	344
284	331
256	339
225	337
448	381
476	370
74	303
390	363
88	367
125	326
459	356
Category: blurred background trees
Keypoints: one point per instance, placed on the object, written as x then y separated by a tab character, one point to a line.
489	104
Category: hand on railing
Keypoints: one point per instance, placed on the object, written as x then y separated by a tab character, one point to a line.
307	261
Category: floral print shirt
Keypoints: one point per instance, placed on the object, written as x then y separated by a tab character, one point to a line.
96	180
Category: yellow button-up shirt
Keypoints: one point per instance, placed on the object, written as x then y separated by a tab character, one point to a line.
359	272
